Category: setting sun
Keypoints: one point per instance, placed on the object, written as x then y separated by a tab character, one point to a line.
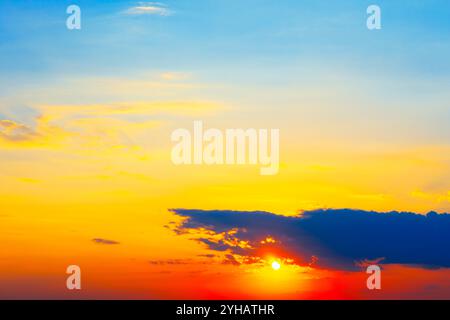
276	265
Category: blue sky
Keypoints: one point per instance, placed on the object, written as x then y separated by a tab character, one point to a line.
210	34
263	50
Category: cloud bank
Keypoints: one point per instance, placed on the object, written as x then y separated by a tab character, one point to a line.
336	238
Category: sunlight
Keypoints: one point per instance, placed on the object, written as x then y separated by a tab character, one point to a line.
276	265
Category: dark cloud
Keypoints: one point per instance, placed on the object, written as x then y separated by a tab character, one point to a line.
104	241
340	238
230	259
174	262
208	255
170	262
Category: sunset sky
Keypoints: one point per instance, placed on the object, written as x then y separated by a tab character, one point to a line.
86	176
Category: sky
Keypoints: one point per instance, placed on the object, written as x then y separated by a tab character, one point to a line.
85	152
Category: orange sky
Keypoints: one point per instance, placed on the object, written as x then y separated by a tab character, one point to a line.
85	144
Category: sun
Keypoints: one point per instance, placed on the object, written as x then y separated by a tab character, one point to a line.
276	265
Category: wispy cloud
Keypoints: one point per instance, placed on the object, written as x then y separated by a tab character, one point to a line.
151	8
104	241
108	124
174	76
13	131
44	134
170	262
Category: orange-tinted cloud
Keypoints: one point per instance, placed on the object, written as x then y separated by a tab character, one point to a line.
16	132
